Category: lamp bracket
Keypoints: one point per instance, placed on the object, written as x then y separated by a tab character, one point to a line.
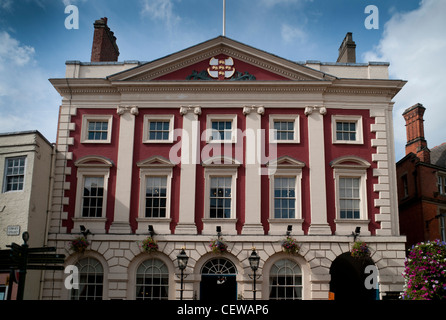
251	276
179	275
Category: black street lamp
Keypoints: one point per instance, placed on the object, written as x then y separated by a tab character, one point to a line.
254	260
182	264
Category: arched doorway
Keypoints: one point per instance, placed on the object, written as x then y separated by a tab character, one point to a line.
348	278
218	280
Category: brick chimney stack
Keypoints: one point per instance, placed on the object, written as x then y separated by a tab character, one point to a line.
415	132
104	43
347	50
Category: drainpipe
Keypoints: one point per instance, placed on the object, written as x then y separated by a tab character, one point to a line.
48	211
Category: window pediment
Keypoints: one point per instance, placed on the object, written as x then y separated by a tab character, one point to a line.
94	161
286	162
221	161
350	162
155	162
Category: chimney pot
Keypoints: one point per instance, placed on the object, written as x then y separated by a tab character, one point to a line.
347	50
104	43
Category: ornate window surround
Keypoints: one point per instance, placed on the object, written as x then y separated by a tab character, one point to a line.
351	167
347	118
284	117
86	118
91	166
286	167
154	166
148	118
220	166
221	117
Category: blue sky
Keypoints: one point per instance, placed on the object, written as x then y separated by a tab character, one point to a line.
34	45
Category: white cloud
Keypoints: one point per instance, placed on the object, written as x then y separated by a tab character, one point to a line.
160	10
415	45
12	52
27	100
292	34
5	4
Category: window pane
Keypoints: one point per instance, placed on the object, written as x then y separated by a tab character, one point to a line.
349	198
92	198
285	281
221	130
159	130
15	174
97	130
90	280
156	197
284	197
152	280
220	197
346	131
283	130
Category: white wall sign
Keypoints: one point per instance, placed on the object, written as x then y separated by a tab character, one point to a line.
13	230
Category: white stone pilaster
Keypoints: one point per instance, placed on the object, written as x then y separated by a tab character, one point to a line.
121	220
189	158
253	223
318	194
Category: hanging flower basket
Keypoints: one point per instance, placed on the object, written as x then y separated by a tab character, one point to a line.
149	245
218	246
79	244
360	250
290	245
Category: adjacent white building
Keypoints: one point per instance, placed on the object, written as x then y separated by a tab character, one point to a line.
25	173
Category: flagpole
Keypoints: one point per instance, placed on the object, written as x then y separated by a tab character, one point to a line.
224	18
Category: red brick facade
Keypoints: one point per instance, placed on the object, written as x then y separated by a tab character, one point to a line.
421	202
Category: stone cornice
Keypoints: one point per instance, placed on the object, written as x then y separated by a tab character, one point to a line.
70	87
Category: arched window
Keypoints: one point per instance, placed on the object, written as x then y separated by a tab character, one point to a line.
91	280
219	266
285	282
218	280
152	280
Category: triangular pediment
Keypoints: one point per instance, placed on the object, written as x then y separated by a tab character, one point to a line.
155	161
221	59
286	162
220	161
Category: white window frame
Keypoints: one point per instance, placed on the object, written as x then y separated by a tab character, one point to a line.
161	167
5	174
347	118
287	118
285	167
441	183
86	265
91	166
358	170
283	173
86	118
148	118
221	117
215	167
